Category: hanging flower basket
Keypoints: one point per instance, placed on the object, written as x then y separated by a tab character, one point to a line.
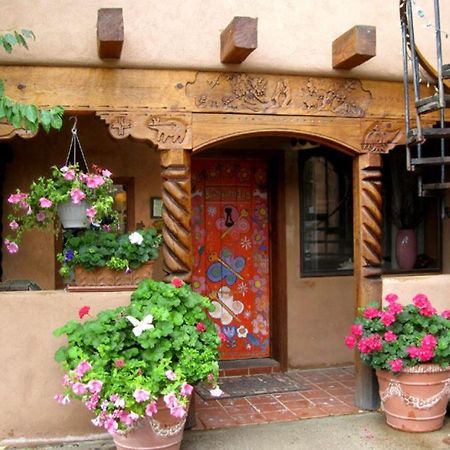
73	216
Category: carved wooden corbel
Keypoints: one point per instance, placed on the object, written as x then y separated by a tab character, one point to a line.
176	196
367	226
381	137
164	130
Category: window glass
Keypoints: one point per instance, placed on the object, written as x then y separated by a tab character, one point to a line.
326	212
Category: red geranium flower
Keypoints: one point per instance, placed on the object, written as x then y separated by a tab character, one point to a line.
84	311
201	327
177	282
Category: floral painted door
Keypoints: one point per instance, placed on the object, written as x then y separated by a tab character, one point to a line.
231	251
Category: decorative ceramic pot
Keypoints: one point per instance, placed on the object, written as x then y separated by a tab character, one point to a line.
73	215
416	398
162	431
108	277
406	249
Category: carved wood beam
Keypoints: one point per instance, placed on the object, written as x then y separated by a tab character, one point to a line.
176	196
367	226
164	130
382	136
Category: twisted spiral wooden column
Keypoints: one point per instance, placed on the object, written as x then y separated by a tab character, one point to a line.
176	196
367	224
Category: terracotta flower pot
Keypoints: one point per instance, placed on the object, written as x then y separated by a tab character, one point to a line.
416	399
162	431
108	277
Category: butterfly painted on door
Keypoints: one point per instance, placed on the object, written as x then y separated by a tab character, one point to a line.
225	267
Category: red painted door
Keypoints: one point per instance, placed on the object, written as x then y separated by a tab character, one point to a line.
230	224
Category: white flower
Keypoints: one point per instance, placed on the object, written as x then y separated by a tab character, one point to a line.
136	238
216	392
242	332
141	325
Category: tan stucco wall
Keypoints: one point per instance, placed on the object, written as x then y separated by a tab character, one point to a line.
435	287
30	377
293	36
320	309
32	158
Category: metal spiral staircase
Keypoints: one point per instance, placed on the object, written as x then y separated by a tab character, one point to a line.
430	161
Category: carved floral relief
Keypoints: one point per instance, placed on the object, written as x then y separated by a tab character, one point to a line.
380	137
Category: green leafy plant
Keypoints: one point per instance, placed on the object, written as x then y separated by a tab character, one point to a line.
37	208
100	248
157	347
400	336
24	115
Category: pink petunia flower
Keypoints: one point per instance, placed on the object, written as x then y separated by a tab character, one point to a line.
91	212
106	173
40	216
151	408
11	246
141	395
111	426
45	202
171	400
186	389
171	375
82	368
13	225
178	412
95	386
79	388
77	195
17	198
94	181
69	174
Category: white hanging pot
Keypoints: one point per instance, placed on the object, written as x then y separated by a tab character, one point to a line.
73	215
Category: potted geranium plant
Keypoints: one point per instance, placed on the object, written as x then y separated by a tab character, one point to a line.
66	188
409	346
104	257
135	366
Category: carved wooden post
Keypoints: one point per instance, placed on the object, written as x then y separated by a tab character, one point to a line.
176	196
367	255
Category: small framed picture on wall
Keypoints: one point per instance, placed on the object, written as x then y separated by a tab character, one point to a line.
156	205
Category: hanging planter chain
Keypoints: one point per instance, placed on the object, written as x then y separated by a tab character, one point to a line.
75	145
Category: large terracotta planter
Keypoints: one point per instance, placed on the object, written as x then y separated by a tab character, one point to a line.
107	277
162	431
416	399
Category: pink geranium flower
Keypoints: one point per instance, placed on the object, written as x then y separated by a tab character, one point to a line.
391	298
446	314
350	341
387	318
201	327
371	313
357	330
390	336
396	365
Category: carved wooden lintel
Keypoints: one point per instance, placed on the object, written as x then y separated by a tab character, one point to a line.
176	196
381	137
164	130
8	131
367	226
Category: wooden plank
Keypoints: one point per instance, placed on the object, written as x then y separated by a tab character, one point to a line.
88	89
238	40
354	47
110	33
367	232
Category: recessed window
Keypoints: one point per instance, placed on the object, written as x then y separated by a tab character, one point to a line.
326	213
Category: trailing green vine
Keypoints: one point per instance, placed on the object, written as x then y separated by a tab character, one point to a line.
24	115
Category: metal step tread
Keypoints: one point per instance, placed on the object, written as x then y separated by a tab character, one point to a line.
430	104
435	186
446	71
430	161
432	133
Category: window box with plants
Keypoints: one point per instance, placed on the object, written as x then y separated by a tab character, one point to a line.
98	257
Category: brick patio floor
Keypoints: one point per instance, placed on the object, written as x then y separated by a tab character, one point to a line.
325	392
